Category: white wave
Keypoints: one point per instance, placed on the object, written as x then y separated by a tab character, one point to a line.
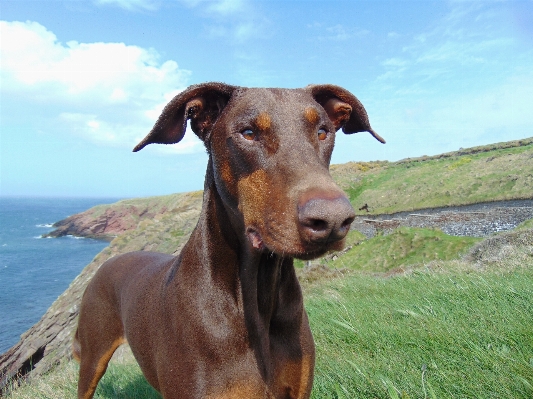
47	225
75	237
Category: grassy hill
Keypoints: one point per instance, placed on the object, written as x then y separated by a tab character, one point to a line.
488	173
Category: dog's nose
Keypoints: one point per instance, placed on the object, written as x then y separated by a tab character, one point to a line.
325	220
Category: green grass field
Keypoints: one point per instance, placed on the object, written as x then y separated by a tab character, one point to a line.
404	247
452	335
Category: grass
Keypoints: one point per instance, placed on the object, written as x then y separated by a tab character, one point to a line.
406	246
458	328
526	224
424	335
122	380
497	172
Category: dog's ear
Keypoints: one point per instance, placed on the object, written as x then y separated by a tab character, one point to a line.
343	108
202	104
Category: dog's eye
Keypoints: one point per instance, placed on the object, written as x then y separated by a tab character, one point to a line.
322	134
248	134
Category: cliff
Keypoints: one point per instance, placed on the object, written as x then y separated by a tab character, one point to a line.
107	222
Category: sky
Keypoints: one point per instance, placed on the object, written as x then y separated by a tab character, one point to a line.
82	82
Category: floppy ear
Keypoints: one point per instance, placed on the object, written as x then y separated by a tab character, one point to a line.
343	108
202	104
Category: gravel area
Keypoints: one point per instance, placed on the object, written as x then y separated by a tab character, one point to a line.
477	220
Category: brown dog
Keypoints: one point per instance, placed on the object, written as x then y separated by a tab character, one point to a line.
225	319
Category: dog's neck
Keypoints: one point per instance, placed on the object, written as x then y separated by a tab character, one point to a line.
263	284
262	274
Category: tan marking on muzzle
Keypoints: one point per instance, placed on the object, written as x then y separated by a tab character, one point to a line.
311	115
253	194
263	121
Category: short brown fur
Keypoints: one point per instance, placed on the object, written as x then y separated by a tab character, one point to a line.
225	318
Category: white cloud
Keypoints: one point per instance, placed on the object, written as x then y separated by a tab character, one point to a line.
219	7
225	7
238	21
109	133
32	57
108	93
468	47
395	62
237	32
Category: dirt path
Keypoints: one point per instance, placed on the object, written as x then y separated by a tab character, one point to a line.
477	220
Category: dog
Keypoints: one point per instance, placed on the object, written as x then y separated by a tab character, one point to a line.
225	318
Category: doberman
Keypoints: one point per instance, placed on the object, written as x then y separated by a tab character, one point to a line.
225	318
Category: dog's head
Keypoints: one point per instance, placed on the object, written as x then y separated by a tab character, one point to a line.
270	151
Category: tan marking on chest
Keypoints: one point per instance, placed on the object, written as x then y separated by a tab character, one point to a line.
244	390
296	378
306	377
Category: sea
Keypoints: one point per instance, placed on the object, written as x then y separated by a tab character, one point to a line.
34	271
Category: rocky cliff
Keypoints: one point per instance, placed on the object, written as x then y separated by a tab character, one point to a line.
109	221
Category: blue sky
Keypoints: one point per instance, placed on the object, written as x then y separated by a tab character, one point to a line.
83	81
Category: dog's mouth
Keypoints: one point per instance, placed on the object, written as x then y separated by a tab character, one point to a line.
313	251
307	251
255	239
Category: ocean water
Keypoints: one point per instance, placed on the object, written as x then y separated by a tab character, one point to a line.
34	271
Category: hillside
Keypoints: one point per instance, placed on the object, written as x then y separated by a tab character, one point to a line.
495	172
480	174
501	171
